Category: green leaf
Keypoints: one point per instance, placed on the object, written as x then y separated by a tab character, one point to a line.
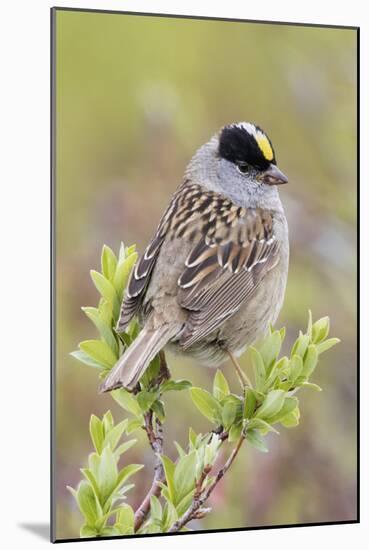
282	333
311	361
125	338
150	527
105	310
130	250
175	385
292	419
169	515
102	521
320	330
296	366
87	531
133	330
122	273
125	519
235	432
155	508
112	438
107	291
270	349
109	531
108	421
97	433
271	405
108	263
126	473
99	351
184	477
229	412
232	403
93	462
146	398
107	474
158	408
86	359
164	490
259	424
206	404
151	373
192	437
300	346
169	469
125	489
281	366
312	386
285	386
256	440
88	503
88	474
103	328
123	448
220	386
328	344
289	405
127	401
134	424
211	449
122	252
249	403
184	503
258	366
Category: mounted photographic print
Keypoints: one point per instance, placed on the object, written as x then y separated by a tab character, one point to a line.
204	201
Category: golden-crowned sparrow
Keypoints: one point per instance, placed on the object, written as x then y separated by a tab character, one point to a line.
213	278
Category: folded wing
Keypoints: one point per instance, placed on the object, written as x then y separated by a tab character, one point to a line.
224	269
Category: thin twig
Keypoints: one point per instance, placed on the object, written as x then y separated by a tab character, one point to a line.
156	442
155	437
200	499
244	379
200	481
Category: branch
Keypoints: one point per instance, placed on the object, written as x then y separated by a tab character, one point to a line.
201	497
156	442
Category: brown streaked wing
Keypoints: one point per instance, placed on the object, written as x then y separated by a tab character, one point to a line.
138	282
182	219
221	273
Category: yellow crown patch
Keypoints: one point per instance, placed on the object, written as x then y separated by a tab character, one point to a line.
264	145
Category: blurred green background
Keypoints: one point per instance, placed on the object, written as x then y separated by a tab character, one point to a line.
135	97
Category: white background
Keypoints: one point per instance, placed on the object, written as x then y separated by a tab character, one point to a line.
24	318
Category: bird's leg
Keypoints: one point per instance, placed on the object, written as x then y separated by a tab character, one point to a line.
242	376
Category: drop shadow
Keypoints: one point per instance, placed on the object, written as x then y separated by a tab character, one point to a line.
42	530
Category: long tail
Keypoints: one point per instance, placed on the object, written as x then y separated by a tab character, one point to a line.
133	363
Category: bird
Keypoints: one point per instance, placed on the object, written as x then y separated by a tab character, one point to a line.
212	279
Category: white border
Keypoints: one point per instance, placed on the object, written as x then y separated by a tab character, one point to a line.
24	106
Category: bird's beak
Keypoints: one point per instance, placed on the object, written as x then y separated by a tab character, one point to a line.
273	176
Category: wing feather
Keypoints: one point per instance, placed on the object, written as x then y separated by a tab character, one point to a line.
243	257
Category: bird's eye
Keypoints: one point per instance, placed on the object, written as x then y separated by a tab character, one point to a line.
243	167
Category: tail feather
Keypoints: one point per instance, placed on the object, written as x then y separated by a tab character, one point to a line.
134	362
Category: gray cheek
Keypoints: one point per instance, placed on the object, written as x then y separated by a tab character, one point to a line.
228	176
238	187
